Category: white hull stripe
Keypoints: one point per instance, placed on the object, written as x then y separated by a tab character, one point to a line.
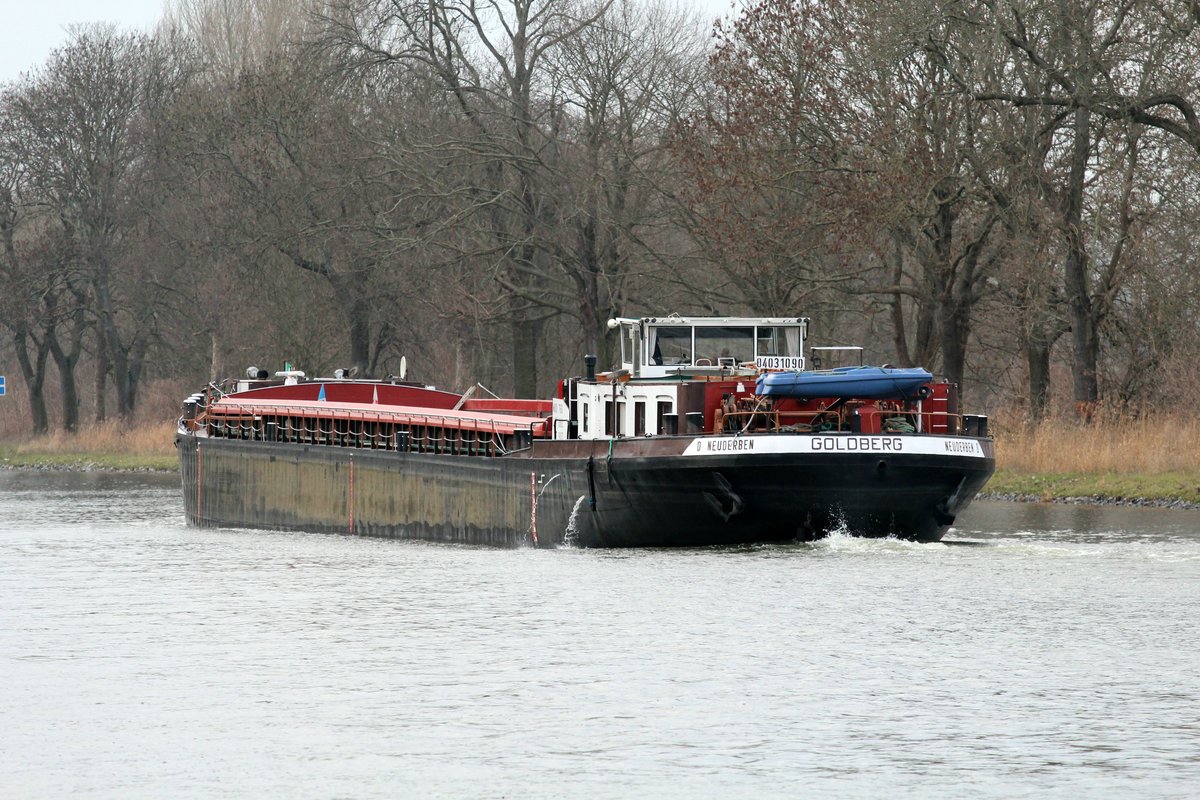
881	444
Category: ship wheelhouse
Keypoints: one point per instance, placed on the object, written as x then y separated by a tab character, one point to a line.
661	384
664	347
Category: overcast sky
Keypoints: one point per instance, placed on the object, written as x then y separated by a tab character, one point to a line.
32	28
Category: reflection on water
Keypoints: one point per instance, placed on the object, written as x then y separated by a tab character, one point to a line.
1055	655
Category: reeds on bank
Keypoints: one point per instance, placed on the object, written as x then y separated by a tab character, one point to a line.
1131	445
104	445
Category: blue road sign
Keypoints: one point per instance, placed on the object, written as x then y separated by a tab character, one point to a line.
3	388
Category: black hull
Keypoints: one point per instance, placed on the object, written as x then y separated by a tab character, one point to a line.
630	493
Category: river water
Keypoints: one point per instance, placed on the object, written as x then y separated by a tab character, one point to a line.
1054	653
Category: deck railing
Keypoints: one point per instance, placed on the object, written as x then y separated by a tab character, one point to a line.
424	433
891	421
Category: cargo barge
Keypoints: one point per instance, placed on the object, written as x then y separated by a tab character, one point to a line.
691	441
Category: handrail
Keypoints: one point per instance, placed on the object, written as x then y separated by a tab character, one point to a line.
372	416
407	438
775	420
413	433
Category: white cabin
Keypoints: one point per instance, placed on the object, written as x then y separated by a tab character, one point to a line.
658	347
658	387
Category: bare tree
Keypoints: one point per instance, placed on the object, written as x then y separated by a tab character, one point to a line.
47	299
839	162
86	122
295	154
624	80
20	281
235	37
758	161
492	60
1110	71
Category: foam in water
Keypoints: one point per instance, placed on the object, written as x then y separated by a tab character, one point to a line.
573	523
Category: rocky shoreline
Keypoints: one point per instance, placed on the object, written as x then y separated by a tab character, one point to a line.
80	467
1093	500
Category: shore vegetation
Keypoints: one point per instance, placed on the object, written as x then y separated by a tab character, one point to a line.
1113	460
1129	459
103	446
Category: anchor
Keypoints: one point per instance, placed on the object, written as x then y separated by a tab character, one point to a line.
730	503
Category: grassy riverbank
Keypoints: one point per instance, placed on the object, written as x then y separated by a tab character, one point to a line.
1155	460
1165	488
1141	460
106	446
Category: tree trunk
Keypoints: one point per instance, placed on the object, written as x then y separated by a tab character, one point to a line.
70	391
952	318
351	292
594	332
954	331
360	335
524	344
954	314
68	359
136	360
70	400
459	363
34	372
896	307
1085	344
101	381
1037	357
110	337
213	365
589	291
121	387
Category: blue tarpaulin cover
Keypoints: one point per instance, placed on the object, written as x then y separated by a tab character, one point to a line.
872	383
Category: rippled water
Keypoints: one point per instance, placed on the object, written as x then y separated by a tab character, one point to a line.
1053	654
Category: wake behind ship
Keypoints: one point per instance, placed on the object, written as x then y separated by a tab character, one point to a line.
713	432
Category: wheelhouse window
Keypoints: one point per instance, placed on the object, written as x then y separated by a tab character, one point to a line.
778	341
724	346
670	345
